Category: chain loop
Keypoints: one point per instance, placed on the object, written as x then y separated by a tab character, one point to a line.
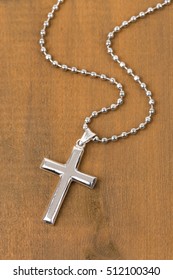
104	77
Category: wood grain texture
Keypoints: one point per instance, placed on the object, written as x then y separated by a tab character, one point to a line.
129	214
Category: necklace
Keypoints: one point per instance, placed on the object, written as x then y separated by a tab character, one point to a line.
69	172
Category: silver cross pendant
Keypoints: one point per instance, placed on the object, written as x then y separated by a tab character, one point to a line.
68	173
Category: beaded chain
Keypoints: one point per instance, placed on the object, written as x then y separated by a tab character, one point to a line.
104	77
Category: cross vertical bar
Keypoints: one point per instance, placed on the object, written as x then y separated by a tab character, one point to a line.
57	200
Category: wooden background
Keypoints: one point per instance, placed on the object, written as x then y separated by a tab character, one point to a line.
129	215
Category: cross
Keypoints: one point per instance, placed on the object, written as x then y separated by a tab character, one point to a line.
68	173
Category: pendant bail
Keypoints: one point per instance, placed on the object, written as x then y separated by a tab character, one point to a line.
87	137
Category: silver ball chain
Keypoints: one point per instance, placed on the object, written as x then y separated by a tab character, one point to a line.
104	77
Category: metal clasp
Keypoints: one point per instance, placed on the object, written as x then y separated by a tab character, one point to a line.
87	137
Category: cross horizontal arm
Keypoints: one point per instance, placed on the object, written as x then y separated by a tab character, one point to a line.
85	179
52	166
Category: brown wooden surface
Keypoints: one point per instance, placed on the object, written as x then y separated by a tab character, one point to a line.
129	215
